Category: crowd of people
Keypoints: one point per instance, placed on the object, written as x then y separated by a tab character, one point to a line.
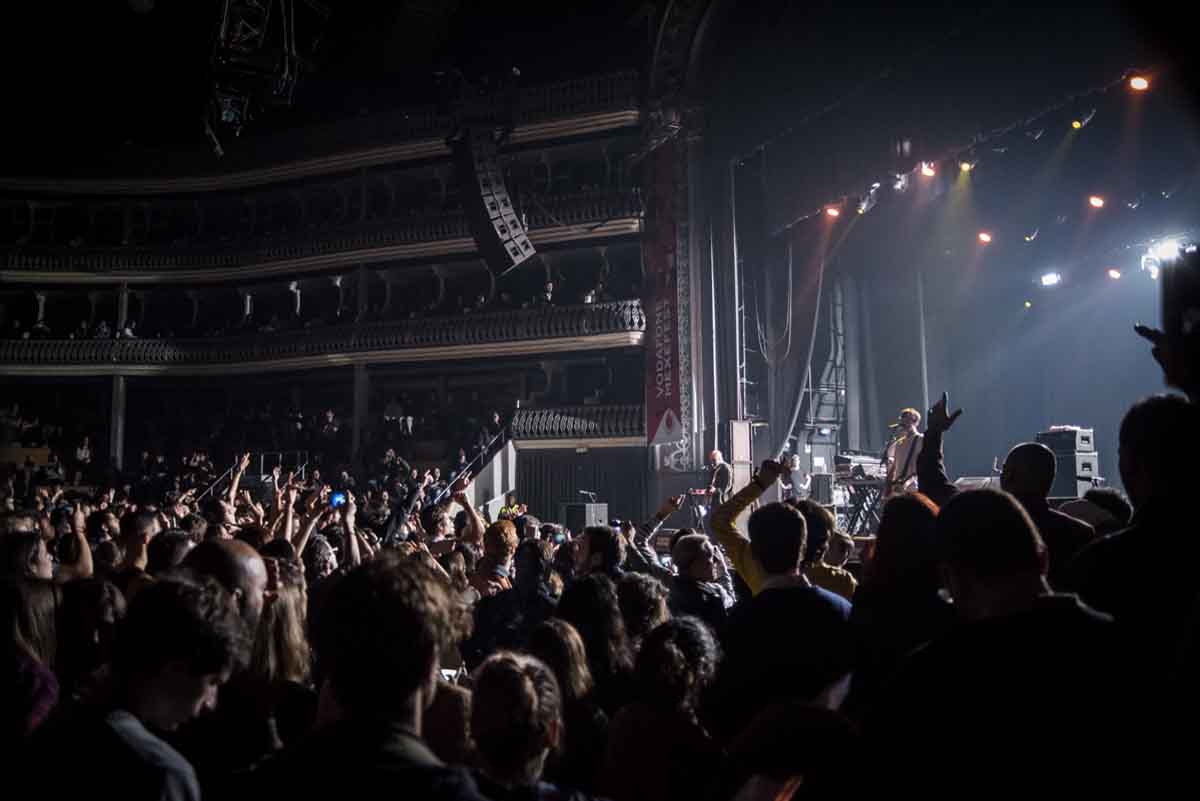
319	636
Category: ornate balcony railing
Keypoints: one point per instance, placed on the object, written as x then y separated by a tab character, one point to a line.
579	422
544	212
547	323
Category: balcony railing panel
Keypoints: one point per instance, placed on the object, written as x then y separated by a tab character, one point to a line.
489	327
544	212
579	422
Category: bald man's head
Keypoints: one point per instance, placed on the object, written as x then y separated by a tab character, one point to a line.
1028	470
238	568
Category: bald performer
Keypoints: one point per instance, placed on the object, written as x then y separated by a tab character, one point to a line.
238	568
1028	474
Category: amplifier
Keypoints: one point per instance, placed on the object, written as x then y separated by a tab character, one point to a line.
822	488
1074	474
578	516
1068	439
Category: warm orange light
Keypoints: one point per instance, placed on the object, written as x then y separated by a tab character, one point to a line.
1076	124
1096	202
927	169
1139	83
966	166
985	237
833	211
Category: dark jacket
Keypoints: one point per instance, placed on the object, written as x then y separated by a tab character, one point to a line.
354	759
542	791
504	620
787	643
703	599
1048	683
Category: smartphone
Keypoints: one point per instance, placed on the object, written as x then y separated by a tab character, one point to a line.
337	499
1181	293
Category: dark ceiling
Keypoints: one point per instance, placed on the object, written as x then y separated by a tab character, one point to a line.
91	84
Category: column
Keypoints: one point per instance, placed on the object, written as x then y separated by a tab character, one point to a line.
337	282
122	306
194	297
92	297
116	423
247	304
294	288
40	297
361	391
360	288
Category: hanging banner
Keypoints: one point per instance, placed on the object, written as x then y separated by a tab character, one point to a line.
663	410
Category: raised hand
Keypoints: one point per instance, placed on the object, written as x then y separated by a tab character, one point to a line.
461	484
939	419
243	463
771	471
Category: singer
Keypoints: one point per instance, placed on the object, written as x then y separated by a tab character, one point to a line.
901	454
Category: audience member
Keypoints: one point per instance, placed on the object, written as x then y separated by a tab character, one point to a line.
590	605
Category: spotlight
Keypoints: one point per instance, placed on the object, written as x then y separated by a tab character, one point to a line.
832	211
1076	124
1166	250
1051	279
901	183
966	166
1114	273
867	203
1029	304
1153	270
1033	236
985	237
1096	202
1139	83
927	169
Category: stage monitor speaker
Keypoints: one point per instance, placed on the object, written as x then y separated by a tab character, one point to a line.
502	240
578	516
1068	439
1074	474
822	488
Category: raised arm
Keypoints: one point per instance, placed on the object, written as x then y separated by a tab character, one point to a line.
82	566
737	544
931	467
475	526
349	518
238	471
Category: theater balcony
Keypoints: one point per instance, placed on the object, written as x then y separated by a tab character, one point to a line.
588	107
244	252
533	332
565	453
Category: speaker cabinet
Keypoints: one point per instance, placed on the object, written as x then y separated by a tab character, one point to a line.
578	516
502	240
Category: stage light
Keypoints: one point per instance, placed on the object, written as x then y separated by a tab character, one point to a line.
985	237
875	185
1076	124
1139	83
901	183
927	169
1029	304
1166	250
1033	236
1096	202
1114	273
1051	279
966	166
1153	270
832	211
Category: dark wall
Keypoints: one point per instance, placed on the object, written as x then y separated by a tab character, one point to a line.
618	476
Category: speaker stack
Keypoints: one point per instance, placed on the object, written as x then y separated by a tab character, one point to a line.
1077	462
502	240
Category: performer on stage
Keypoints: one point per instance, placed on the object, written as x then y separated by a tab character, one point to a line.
902	453
720	482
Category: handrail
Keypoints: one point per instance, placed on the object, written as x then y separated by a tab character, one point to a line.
547	322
